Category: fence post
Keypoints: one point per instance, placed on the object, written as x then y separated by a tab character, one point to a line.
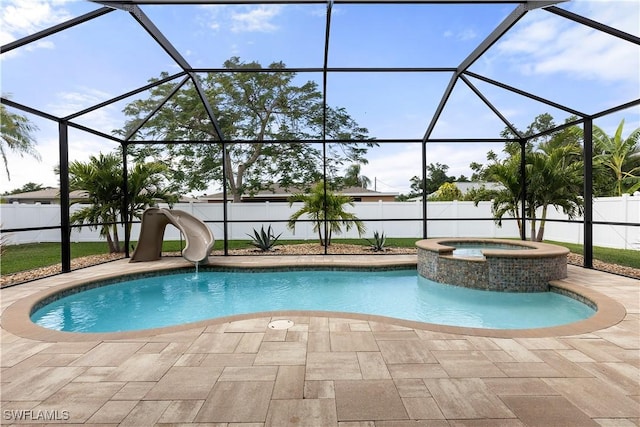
381	214
267	209
625	207
637	200
456	224
494	226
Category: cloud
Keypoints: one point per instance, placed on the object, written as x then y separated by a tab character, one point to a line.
255	19
548	44
392	166
72	102
40	44
104	119
19	18
462	35
241	19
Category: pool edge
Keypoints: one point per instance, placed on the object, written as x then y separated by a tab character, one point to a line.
15	317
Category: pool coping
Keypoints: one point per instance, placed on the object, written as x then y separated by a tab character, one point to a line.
16	317
533	249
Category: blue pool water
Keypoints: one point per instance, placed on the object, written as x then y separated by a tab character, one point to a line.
181	298
469	249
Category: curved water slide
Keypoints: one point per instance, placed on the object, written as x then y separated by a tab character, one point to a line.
198	237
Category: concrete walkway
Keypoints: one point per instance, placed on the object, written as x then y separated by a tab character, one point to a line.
325	369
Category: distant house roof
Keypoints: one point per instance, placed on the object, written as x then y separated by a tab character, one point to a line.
45	196
50	195
277	193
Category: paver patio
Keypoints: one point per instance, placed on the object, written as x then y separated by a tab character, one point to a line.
328	369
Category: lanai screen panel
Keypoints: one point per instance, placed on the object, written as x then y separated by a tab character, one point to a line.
209	35
539	55
569	63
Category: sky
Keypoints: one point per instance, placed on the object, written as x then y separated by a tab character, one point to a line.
542	54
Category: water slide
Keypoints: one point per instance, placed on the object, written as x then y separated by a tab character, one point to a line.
198	237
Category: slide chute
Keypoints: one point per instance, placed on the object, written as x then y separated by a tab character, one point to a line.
197	235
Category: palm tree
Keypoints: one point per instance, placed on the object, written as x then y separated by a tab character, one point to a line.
353	177
325	206
620	155
16	135
553	178
554	175
506	200
101	179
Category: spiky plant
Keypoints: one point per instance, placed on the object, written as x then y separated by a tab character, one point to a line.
378	242
265	241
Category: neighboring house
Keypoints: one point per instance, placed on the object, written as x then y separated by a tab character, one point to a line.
46	196
51	196
281	194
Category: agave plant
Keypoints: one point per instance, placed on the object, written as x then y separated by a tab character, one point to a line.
378	242
265	241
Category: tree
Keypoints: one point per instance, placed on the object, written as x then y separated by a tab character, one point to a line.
101	178
322	206
16	135
249	106
620	156
446	193
542	123
553	177
507	173
416	185
436	176
353	177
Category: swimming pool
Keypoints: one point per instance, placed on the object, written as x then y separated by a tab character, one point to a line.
180	298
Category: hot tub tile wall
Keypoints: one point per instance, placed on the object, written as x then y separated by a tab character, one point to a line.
525	274
427	264
507	274
474	273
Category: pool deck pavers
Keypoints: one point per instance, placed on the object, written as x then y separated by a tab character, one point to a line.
328	369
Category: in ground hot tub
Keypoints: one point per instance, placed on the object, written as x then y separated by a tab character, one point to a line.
492	264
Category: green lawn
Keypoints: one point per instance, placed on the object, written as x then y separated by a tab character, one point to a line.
626	257
34	255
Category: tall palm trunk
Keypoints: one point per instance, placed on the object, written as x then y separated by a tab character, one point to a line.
109	240
543	219
116	239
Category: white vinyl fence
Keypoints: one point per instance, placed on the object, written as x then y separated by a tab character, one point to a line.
395	219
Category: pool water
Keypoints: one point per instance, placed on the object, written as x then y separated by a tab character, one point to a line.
174	299
468	249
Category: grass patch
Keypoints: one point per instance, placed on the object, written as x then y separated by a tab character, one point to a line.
34	255
626	257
